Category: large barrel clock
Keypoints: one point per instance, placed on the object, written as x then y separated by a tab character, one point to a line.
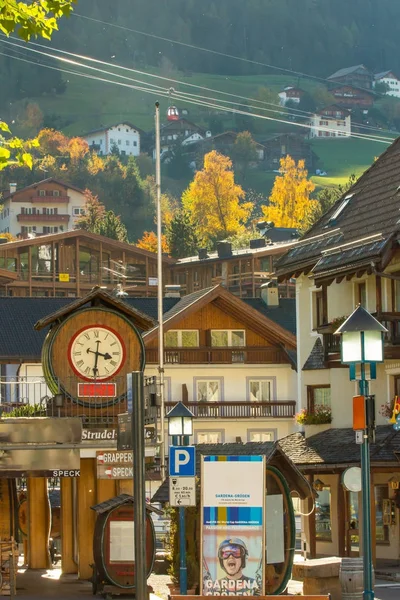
88	355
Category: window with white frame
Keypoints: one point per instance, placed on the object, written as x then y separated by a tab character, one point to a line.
182	338
42	192
208	390
258	435
260	390
77	211
209	437
228	338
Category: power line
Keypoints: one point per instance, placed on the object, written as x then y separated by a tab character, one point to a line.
165	92
292	111
216	52
297	112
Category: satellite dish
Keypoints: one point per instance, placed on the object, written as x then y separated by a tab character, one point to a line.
351	479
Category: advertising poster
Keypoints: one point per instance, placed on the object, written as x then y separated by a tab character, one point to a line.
233	496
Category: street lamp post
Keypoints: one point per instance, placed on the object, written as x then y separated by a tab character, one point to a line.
362	344
180	428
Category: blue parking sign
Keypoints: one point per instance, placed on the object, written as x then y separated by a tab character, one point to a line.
182	461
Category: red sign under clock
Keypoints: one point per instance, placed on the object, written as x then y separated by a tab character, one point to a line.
97	390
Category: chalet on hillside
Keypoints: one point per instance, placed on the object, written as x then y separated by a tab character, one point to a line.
351	97
223	142
358	76
279	145
294	94
330	122
182	132
392	82
48	206
124	136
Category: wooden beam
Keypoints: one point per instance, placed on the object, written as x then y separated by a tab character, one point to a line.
68	564
86	517
341	516
77	269
38	523
378	291
311	522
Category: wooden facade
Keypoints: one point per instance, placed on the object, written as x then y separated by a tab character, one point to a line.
290	144
70	264
350	97
242	272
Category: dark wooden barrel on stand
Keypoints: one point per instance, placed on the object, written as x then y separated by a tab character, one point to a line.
113	543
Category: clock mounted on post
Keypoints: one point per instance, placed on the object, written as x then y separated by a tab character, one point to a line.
89	350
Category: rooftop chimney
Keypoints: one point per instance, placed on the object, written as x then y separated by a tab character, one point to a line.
202	253
13	188
269	293
257	243
172	291
224	249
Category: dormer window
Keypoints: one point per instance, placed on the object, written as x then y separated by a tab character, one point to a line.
340	209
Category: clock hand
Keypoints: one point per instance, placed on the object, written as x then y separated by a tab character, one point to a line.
96	359
106	356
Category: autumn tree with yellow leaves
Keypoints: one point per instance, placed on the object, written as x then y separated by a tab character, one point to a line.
290	204
214	201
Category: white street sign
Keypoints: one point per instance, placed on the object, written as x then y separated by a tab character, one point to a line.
182	491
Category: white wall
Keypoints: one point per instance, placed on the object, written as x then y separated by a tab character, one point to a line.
128	137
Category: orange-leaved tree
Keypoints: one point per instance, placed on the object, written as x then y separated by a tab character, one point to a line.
149	242
289	203
214	201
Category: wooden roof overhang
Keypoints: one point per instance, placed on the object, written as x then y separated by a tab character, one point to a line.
85	236
237	308
98	297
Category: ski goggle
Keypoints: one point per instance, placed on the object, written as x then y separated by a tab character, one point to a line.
227	551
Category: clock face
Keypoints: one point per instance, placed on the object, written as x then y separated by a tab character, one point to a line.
96	352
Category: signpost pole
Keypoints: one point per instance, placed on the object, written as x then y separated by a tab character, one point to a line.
182	542
139	492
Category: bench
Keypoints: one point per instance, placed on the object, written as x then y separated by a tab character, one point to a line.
318	597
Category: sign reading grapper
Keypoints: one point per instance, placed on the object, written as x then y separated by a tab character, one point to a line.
233	505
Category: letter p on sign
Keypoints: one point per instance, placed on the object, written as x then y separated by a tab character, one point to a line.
182	461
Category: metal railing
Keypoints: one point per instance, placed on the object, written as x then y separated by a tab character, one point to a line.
239	410
213	355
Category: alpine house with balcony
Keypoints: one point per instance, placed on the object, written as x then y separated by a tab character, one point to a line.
49	206
350	256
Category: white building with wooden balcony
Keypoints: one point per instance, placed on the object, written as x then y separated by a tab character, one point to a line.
49	206
350	256
232	362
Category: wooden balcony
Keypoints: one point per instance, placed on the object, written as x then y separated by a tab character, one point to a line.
40	217
239	410
212	355
50	199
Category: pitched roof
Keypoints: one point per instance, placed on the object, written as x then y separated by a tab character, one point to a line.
226	301
39	183
286	238
316	360
353	233
336	107
284	314
272	451
384	74
107	127
338	447
97	294
19	341
347	71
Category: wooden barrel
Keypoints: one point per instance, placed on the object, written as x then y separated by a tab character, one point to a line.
351	576
113	546
8	509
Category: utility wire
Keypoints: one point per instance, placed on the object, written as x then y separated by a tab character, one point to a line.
207	101
292	111
166	93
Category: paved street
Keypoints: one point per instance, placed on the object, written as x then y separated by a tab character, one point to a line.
48	584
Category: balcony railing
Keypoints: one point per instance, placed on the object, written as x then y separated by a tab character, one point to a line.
212	355
239	410
36	217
